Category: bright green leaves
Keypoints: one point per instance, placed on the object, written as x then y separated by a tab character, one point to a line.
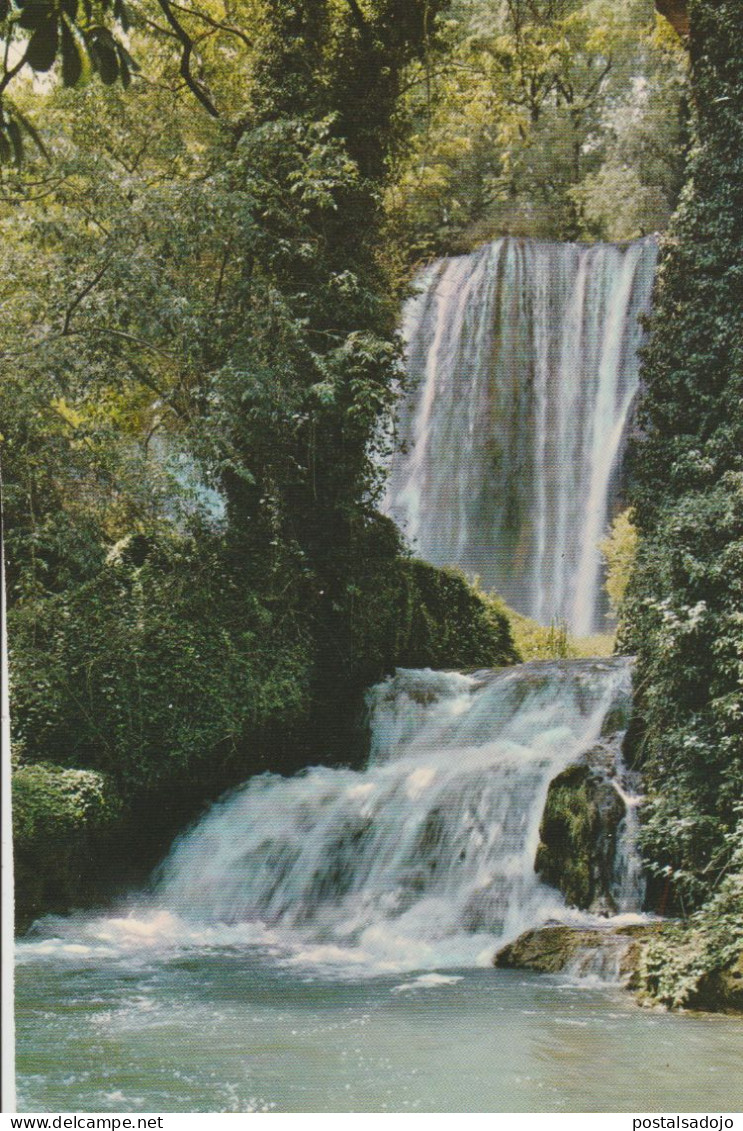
554	121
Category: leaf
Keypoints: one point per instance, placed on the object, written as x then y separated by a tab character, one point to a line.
4	149
42	48
4	9
72	65
16	141
104	60
34	13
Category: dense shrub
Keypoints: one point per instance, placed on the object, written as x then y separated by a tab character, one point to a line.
420	616
161	671
173	674
58	816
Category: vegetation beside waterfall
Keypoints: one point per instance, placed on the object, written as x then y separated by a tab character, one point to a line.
549	118
62	819
682	614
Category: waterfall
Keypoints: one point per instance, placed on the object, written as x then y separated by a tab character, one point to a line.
629	879
424	858
523	369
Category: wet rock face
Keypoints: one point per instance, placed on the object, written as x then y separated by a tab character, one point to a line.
618	955
556	948
579	832
548	950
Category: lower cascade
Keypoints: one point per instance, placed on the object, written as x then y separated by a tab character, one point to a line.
427	857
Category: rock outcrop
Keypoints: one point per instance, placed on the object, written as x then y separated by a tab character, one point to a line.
610	952
583	824
618	954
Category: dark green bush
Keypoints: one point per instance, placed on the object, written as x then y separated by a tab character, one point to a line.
59	817
161	674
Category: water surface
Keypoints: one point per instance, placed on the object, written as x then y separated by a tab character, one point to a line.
241	1029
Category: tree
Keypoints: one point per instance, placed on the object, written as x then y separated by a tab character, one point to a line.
81	38
558	120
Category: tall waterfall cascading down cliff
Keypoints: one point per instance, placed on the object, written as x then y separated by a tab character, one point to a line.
523	366
425	858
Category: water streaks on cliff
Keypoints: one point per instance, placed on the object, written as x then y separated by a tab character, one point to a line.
524	369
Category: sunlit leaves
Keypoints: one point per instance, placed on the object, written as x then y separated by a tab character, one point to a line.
533	126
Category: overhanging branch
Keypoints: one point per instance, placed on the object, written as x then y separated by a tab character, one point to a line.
187	46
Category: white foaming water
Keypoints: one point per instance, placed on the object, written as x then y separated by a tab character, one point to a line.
629	879
423	860
524	365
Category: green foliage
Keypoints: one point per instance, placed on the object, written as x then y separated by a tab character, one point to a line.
50	802
83	39
167	673
534	641
696	963
163	671
682	610
59	817
619	549
419	616
559	120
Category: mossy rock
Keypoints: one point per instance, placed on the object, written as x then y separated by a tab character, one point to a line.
547	950
578	835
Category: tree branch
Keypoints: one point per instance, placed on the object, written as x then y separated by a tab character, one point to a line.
11	74
216	24
81	295
187	45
